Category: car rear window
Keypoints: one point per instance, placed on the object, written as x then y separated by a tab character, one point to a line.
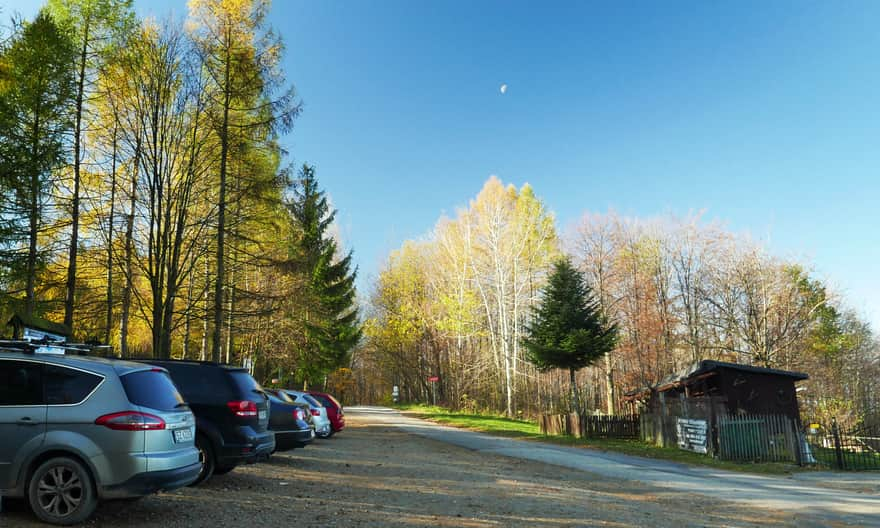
66	386
246	385
312	401
199	384
328	402
283	396
153	389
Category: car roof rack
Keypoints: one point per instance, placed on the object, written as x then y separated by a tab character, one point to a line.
191	361
53	347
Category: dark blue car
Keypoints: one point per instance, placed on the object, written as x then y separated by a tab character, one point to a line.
289	421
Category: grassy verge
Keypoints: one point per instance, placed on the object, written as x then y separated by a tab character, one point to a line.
501	426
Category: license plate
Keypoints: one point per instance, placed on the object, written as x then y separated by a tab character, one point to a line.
262	415
183	435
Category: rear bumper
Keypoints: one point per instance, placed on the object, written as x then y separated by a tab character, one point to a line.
324	429
338	423
255	448
286	440
151	482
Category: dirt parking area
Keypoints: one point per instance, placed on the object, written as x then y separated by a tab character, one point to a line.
373	475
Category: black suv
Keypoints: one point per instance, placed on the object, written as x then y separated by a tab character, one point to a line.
232	413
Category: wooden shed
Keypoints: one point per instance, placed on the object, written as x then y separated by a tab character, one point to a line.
36	328
741	389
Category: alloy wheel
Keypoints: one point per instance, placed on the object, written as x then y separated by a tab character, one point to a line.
60	491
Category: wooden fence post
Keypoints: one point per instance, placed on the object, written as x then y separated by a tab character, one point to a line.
795	442
712	432
838	452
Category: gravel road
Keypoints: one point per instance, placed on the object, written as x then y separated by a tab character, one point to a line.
376	475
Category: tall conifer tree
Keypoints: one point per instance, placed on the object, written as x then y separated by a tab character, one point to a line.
569	330
96	26
331	316
37	87
242	58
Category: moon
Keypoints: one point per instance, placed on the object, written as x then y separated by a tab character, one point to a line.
503	89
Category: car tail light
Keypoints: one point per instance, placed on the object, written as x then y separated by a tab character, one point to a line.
316	412
243	408
131	421
298	414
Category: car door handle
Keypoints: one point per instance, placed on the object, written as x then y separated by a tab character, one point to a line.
27	421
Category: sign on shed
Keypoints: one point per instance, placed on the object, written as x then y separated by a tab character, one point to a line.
433	379
692	434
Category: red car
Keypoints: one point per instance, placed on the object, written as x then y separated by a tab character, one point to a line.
334	410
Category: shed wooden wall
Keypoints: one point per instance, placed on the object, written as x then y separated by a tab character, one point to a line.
758	393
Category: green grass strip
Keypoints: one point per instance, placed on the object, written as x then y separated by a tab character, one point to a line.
525	430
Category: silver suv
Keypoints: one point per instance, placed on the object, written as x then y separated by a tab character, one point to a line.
77	429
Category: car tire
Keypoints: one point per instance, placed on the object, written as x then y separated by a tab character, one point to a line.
206	457
62	491
222	470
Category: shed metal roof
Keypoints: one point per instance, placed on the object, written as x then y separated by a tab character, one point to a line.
705	368
39	323
708	365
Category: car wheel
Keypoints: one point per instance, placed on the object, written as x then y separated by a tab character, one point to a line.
62	491
206	457
222	470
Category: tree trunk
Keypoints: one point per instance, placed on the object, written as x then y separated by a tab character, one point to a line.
167	321
187	326
33	223
74	215
609	385
32	246
233	253
157	319
204	350
129	242
221	209
109	316
229	307
575	403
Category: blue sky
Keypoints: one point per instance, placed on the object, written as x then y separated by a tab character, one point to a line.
763	114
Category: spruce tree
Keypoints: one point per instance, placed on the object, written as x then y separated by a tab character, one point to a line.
331	322
569	330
